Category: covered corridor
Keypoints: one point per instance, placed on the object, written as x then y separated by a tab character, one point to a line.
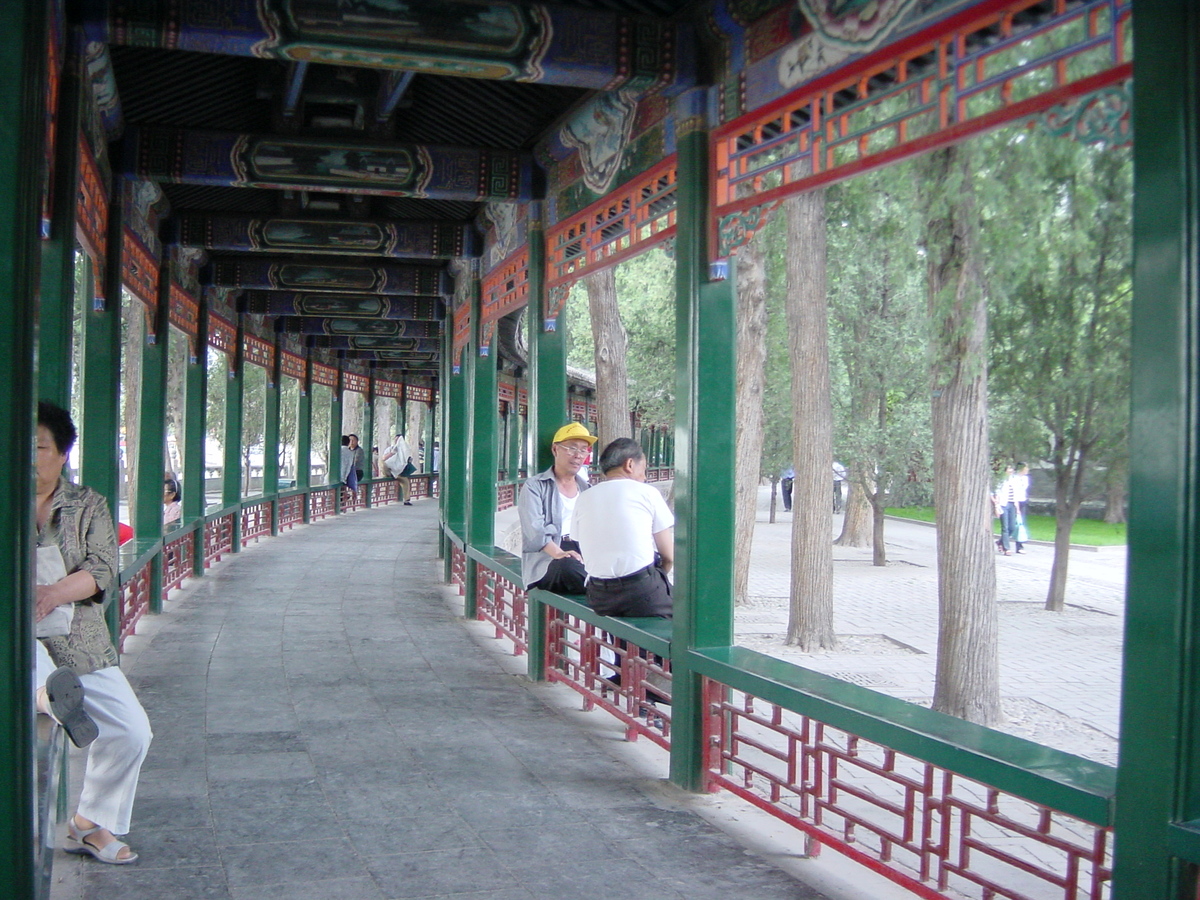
326	728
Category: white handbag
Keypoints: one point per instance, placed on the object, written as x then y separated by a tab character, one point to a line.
50	569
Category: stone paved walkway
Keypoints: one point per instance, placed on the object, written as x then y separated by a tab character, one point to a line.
1060	672
327	729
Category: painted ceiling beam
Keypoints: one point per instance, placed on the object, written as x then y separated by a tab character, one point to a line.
384	169
392	88
412	351
293	88
345	306
398	239
505	40
267	274
389	329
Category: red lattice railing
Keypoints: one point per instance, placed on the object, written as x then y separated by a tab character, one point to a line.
218	538
506	496
135	602
614	675
256	521
356	499
384	492
179	561
321	503
931	830
423	486
504	604
458	568
290	510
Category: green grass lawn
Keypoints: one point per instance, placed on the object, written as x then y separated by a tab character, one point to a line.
1041	528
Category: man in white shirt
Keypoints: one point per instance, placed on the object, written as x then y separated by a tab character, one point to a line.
626	534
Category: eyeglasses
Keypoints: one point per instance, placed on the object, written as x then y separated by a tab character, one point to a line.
577	452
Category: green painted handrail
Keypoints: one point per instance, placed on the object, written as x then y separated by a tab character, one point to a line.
1053	778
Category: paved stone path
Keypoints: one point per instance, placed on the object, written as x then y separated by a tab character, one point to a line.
1060	672
327	729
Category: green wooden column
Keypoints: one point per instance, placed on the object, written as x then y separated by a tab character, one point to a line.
231	482
101	388
482	461
23	39
431	434
455	434
304	438
271	438
56	307
195	430
335	439
147	504
704	428
547	359
513	450
547	410
366	441
1158	782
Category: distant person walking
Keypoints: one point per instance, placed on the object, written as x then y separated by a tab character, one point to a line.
1020	482
1005	504
786	479
398	461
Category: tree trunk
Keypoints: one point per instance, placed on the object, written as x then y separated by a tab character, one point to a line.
774	482
856	522
608	338
1116	486
1068	497
751	273
878	548
810	622
967	683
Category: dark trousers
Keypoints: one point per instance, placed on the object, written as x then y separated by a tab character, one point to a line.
566	575
645	592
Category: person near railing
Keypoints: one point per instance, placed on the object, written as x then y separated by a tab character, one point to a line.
76	519
349	475
550	557
398	461
172	509
626	533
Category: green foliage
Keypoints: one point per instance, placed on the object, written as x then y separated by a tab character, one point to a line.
1060	305
646	295
878	322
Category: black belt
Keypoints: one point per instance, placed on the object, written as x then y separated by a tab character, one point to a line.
624	579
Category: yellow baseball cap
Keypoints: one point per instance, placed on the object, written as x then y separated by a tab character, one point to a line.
572	432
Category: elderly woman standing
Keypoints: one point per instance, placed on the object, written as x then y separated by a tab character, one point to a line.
77	520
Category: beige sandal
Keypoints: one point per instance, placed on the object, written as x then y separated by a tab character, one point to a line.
109	853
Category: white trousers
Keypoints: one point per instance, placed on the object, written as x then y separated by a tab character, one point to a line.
115	757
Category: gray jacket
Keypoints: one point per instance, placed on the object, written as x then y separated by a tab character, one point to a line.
541	521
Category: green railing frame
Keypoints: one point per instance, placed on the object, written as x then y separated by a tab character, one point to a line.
1052	778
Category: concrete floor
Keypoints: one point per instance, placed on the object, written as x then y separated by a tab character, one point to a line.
327	729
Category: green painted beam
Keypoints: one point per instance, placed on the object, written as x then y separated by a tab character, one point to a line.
1157	780
704	426
22	123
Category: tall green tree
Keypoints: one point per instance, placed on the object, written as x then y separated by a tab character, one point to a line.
877	322
1060	313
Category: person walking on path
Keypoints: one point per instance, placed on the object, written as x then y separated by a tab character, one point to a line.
398	460
550	558
1006	508
786	479
1021	497
359	456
